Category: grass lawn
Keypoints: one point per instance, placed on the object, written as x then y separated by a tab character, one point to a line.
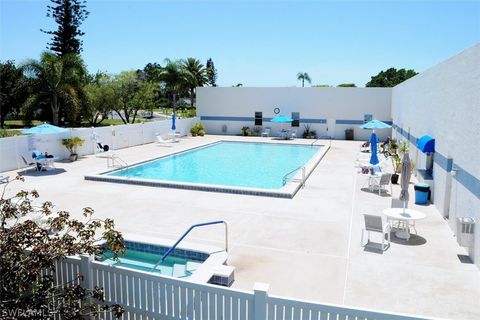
16	124
9	133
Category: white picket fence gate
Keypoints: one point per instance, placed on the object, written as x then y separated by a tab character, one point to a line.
147	296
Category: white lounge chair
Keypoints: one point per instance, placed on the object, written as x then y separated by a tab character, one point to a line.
28	165
160	139
4	179
266	132
375	223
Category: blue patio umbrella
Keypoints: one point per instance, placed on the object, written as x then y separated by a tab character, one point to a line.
44	128
174	127
281	119
375	124
373	146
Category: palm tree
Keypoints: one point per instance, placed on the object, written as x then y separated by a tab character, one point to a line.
56	81
196	76
175	78
304	77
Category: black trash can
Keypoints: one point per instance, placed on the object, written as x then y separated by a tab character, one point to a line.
422	193
349	134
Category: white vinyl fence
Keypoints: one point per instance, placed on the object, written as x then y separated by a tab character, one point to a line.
148	296
116	137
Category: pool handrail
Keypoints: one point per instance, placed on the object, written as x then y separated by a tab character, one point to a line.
302	180
169	251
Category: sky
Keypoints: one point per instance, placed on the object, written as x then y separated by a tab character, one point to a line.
256	43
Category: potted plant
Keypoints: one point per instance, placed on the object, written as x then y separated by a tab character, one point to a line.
72	144
397	166
245	131
396	162
197	129
309	134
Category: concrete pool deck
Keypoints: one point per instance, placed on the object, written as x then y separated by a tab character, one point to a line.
307	247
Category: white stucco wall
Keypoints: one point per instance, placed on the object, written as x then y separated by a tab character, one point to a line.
444	102
331	104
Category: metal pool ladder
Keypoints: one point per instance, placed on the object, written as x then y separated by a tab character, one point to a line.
302	180
120	161
169	251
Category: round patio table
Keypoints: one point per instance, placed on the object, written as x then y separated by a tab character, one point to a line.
405	216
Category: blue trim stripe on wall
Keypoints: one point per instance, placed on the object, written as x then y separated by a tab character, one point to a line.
465	178
230	118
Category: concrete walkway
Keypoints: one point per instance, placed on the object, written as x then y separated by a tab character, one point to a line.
307	247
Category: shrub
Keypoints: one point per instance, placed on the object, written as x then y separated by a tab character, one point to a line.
196	128
245	131
72	144
256	131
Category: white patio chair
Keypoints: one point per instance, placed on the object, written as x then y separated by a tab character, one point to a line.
397	203
293	134
382	183
266	132
4	179
375	223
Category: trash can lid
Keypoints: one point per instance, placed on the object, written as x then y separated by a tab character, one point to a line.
422	185
466	220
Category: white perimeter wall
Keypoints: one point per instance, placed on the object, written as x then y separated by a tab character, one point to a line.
444	102
116	137
342	108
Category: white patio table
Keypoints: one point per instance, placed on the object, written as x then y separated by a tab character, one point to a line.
405	216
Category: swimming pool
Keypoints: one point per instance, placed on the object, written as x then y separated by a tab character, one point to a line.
225	166
253	165
143	256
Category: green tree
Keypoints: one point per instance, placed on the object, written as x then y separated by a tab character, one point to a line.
26	283
211	73
132	95
196	76
175	78
69	15
303	76
321	86
56	81
100	99
347	85
13	89
390	77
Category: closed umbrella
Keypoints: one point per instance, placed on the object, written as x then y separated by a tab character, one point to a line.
373	148
174	127
405	179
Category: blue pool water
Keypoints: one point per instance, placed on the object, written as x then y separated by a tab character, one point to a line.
145	261
240	164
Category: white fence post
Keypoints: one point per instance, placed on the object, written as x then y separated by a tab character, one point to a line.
86	271
260	291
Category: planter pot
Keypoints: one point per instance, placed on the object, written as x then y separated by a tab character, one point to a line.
394	178
73	157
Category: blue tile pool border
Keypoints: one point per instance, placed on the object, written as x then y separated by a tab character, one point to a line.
160	250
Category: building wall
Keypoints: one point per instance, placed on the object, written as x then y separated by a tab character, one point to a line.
444	102
329	111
